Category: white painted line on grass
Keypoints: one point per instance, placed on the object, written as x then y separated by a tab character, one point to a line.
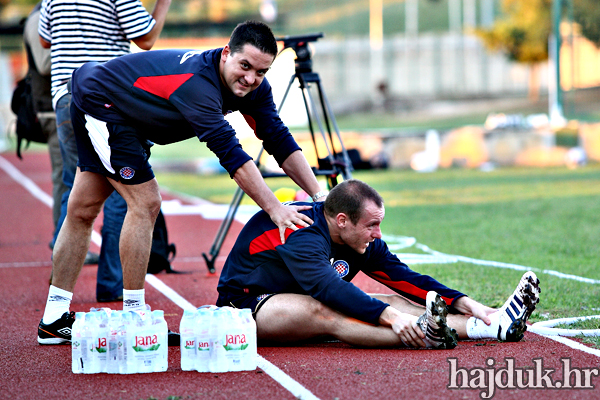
547	328
436	257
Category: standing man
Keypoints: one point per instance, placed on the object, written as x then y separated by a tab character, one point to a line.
167	96
301	290
79	31
38	60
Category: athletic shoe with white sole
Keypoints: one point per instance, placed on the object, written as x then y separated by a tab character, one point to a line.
438	334
58	332
518	308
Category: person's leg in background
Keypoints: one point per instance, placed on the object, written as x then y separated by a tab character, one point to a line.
58	186
109	283
68	151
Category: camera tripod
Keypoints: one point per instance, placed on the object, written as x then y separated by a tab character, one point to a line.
331	165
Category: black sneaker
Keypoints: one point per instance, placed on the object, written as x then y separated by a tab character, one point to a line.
173	338
58	332
518	308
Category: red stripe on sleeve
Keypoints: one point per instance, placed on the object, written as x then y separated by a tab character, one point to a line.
268	240
251	122
163	85
403	286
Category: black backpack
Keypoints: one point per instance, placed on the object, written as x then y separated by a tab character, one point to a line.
28	124
162	252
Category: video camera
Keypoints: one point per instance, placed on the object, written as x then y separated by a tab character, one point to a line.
300	45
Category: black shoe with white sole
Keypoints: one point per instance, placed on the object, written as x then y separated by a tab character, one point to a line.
58	332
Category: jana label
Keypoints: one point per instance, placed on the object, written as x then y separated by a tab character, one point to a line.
146	343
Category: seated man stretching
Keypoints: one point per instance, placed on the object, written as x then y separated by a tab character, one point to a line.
301	290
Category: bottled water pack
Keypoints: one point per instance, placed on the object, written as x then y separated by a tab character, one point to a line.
119	342
218	339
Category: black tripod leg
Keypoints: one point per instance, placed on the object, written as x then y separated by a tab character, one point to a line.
222	232
226	224
347	167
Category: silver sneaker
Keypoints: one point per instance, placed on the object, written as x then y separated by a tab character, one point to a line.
438	335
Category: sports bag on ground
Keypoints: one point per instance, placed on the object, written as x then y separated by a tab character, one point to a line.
162	252
28	125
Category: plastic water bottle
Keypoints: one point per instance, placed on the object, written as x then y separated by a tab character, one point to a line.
250	358
77	347
204	339
188	340
219	325
101	340
146	345
87	342
113	361
160	328
91	320
234	338
142	341
132	332
125	340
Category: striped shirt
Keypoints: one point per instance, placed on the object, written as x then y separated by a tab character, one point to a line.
89	30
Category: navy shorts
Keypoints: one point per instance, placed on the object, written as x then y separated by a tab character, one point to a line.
113	150
243	300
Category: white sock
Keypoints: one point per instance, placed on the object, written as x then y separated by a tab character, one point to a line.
134	300
58	303
477	329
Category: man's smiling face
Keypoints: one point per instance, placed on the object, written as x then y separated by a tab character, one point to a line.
244	71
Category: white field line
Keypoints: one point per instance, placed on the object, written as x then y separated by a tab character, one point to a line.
299	391
436	257
439	258
278	375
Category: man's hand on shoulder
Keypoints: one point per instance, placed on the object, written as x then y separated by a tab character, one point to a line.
289	217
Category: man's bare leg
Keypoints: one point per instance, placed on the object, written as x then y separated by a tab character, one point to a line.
288	317
89	192
143	205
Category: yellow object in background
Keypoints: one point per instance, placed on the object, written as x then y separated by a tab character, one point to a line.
285	194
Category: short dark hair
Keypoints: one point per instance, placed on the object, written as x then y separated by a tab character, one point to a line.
349	197
255	33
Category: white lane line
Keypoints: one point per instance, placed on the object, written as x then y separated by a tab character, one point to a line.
24	181
31	264
572	344
299	391
169	293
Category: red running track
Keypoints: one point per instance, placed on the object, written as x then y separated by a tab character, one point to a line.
323	371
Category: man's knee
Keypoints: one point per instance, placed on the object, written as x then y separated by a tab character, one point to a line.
84	209
147	208
143	200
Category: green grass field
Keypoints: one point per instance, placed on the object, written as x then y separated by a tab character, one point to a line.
545	219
